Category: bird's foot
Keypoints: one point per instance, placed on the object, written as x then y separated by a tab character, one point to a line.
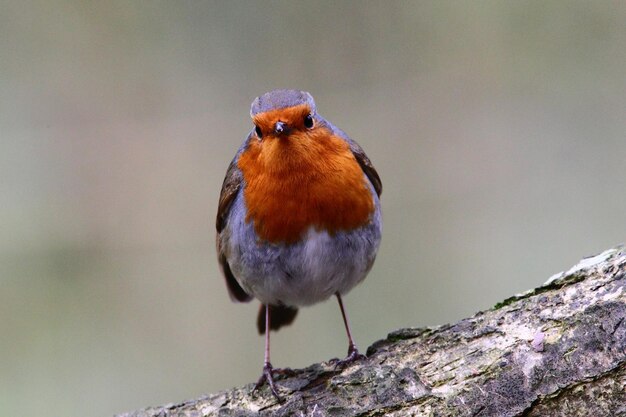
268	376
353	356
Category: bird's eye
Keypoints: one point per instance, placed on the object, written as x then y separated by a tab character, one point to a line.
258	132
308	121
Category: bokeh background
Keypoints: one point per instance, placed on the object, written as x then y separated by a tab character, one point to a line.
498	128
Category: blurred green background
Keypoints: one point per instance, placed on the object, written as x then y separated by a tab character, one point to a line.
498	129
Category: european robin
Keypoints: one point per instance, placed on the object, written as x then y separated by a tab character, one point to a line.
299	216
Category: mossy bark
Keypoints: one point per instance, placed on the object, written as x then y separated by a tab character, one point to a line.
557	350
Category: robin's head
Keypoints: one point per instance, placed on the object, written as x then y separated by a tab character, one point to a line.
281	113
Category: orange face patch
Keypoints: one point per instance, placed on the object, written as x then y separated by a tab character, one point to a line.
293	116
308	178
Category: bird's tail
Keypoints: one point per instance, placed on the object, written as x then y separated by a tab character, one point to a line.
279	316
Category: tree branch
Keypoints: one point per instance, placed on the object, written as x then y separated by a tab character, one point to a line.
557	350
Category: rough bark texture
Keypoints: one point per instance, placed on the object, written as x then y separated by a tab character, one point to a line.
557	350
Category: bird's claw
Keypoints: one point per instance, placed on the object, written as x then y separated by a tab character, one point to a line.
268	376
353	356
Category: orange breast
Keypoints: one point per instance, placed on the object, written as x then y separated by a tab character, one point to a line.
309	178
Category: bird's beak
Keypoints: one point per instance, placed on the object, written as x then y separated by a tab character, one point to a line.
281	128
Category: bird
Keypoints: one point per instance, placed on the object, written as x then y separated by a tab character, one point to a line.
299	216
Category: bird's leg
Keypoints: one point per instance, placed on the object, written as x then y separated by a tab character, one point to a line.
268	370
353	352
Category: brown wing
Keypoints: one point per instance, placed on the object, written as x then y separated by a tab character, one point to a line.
230	188
366	166
360	156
